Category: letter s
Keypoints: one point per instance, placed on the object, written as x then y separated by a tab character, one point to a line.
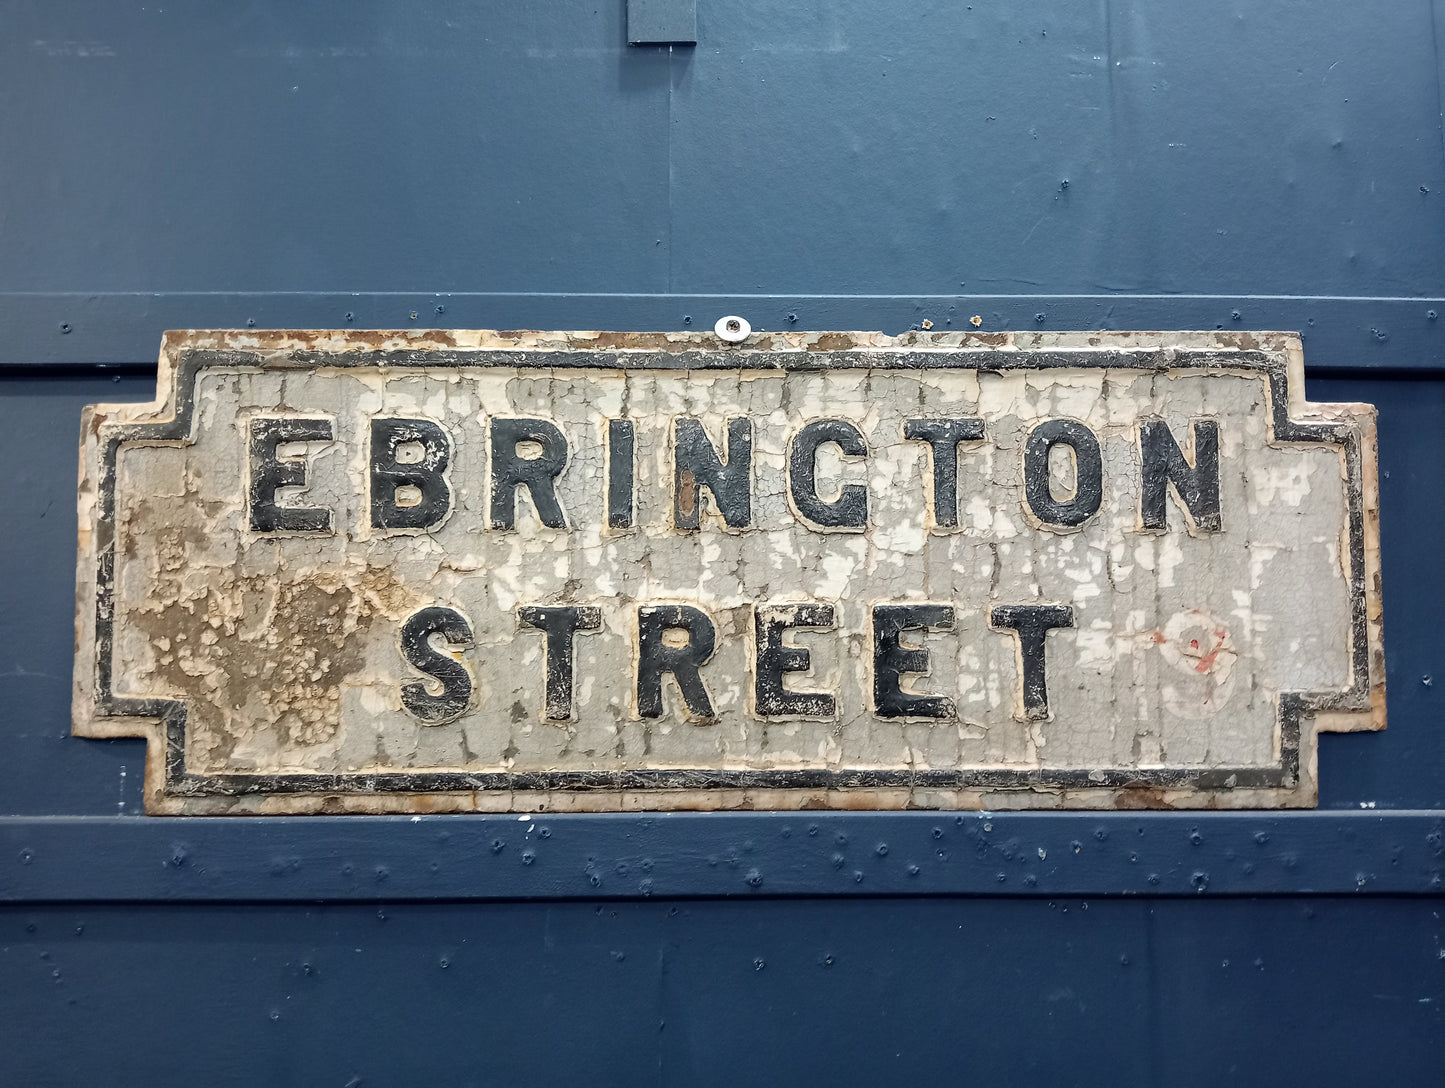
443	668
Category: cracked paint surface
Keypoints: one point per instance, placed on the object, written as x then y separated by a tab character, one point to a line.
283	647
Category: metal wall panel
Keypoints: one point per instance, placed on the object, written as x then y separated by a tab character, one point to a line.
984	991
841	148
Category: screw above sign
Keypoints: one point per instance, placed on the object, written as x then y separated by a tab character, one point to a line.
478	571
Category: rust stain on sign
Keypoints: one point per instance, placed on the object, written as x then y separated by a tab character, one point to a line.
482	571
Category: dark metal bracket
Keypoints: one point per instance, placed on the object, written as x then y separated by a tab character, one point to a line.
661	22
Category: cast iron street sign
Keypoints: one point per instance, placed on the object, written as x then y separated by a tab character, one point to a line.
426	571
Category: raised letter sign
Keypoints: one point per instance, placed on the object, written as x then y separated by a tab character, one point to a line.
478	571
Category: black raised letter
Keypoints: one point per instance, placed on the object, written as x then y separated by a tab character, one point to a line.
1088	473
538	474
410	454
944	435
850	509
1196	485
770	697
892	659
560	622
269	472
619	473
655	657
696	465
442	668
1031	622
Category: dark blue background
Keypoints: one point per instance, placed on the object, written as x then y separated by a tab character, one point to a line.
1113	164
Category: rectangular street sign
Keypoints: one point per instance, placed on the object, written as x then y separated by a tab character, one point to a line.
497	571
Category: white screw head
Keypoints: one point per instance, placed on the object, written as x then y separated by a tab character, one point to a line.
733	329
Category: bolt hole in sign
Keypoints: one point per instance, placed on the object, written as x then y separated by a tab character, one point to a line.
476	571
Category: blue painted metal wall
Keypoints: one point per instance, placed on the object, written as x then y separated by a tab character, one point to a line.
840	164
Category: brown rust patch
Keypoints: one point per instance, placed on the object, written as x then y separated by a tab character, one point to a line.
266	651
373	338
254	653
833	341
686	493
621	341
1140	798
305	659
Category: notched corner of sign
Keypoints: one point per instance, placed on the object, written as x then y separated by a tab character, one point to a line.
1364	419
100	426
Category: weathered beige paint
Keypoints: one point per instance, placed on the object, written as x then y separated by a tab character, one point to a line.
284	647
